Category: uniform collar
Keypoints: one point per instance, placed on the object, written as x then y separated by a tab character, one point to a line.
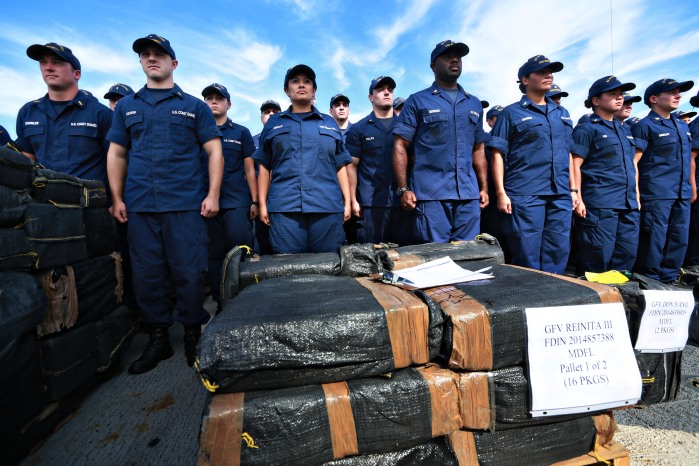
145	94
435	89
373	119
599	120
315	114
526	102
228	123
656	118
44	104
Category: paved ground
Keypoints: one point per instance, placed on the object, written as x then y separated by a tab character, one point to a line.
154	418
667	433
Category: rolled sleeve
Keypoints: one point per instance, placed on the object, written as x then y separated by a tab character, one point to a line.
407	121
640	136
694	128
352	142
498	143
118	132
247	143
206	125
343	158
581	142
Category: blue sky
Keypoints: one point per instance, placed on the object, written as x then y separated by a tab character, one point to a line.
248	46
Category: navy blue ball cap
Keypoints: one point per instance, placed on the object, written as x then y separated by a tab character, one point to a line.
493	112
36	51
606	84
556	91
337	97
448	46
682	114
150	39
267	104
300	69
398	102
665	85
118	91
631	98
216	88
694	101
380	81
536	63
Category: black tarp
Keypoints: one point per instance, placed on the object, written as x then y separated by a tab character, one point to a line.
16	170
57	234
485	249
16	252
301	330
506	296
69	359
62	189
114	334
22	305
100	232
12	206
436	452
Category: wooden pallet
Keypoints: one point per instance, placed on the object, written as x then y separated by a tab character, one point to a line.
614	453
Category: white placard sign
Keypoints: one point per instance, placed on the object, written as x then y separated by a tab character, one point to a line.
580	359
665	321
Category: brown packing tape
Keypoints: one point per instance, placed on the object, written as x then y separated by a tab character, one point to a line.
606	427
472	339
477	406
607	294
343	432
220	439
444	397
407	319
119	272
62	309
463	445
406	261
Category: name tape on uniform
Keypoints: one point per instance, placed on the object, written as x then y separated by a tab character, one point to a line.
665	322
580	359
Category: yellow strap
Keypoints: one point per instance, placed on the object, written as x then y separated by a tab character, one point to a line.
599	458
612	277
210	386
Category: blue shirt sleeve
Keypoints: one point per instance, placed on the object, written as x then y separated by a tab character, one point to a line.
248	144
206	124
500	135
408	120
481	135
582	140
21	140
694	129
118	132
641	135
353	142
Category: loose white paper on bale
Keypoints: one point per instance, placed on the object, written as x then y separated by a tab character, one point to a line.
580	359
665	322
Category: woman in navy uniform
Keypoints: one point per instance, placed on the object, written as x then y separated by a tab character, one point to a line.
303	184
607	216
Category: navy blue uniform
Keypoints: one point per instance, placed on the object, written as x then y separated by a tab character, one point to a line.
607	237
535	143
72	141
666	193
692	256
232	226
443	133
303	153
383	220
164	132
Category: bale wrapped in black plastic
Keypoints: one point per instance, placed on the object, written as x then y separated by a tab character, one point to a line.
22	305
84	292
484	320
241	269
16	170
318	423
68	360
484	248
57	234
16	252
437	451
310	329
57	188
21	384
100	232
12	206
660	373
114	334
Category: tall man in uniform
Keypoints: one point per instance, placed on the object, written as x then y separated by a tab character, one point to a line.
663	155
159	132
372	184
448	184
66	129
532	171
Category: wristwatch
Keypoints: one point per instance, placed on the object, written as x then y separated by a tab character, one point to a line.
400	191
